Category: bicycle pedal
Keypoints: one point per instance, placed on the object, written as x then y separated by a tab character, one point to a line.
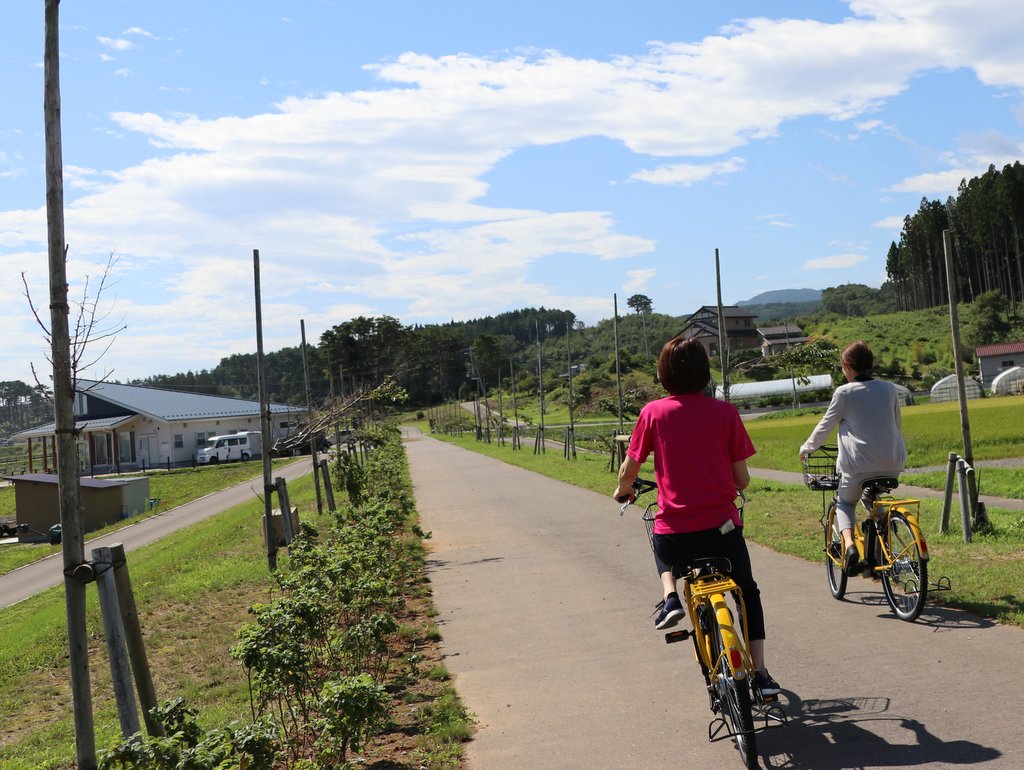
677	636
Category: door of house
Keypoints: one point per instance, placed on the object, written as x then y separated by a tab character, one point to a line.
147	450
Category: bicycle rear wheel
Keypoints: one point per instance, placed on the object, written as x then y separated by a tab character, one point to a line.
734	702
834	556
906	581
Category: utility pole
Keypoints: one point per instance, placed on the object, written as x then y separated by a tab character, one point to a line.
958	364
261	379
312	437
618	373
77	573
723	339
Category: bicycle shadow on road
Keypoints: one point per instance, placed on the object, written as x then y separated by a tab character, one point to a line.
933	615
837	734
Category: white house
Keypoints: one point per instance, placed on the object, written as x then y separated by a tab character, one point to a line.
996	358
128	427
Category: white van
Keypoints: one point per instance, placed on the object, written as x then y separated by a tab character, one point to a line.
237	446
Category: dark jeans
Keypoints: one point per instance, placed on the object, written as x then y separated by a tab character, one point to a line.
678	550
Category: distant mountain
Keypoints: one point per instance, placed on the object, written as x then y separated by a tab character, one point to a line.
784	295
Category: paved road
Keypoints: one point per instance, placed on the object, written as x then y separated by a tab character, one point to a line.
544	597
29	580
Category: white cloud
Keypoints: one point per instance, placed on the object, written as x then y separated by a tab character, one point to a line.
638	280
688	173
834	262
124	72
890	223
116	44
139	32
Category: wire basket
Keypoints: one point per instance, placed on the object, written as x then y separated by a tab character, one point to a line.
820	469
649	524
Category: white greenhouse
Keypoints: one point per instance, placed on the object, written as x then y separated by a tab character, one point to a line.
749	391
1009	382
946	390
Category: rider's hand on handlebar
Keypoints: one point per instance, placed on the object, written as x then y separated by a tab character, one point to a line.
622	495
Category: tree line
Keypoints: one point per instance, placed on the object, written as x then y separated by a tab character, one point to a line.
987	220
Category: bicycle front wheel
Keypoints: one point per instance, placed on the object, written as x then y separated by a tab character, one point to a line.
834	556
906	580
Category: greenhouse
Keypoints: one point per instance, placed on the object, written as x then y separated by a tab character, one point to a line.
946	390
1009	382
751	391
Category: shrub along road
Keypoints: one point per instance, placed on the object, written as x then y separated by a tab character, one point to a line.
545	596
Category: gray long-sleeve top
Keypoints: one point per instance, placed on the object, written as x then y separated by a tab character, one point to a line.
868	415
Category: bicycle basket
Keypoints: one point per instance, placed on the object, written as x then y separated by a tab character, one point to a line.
820	469
649	524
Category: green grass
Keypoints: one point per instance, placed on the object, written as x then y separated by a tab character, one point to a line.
930	431
1000	482
985	574
172	488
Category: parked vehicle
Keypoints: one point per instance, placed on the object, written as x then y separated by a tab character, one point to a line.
236	446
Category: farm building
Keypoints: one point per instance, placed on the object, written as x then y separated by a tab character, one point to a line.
104	501
946	389
1009	382
775	339
130	427
740	330
997	358
751	391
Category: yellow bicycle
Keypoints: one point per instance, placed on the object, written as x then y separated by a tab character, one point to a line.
890	542
721	646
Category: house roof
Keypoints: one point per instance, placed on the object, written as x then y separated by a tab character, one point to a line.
999	349
728	311
51	478
166	405
791	331
83	426
170	405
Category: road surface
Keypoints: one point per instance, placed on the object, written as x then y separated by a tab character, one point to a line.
545	598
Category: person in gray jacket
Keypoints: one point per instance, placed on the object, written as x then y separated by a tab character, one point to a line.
867	412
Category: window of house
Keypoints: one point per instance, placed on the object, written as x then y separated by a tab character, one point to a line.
1007	364
179	441
102	445
126	446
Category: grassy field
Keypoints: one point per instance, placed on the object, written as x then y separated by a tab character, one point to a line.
985	574
171	488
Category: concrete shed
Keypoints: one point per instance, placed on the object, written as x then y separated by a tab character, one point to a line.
1009	382
946	389
105	501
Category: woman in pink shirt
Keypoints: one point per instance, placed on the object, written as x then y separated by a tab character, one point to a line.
700	461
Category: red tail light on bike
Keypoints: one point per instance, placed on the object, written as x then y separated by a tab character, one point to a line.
924	548
736	658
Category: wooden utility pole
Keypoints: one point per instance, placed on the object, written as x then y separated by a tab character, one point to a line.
958	363
261	379
540	444
618	372
723	339
77	573
313	438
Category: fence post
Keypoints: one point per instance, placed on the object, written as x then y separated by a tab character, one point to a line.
328	489
136	644
113	628
947	500
286	512
965	498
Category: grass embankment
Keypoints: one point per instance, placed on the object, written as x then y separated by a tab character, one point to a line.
985	574
194	590
169	488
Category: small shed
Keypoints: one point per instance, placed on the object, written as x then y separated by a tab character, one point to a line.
946	389
997	358
1009	382
104	501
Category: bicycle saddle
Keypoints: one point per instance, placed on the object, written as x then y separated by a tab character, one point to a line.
881	483
706	565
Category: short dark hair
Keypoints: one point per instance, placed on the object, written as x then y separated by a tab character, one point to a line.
858	356
683	366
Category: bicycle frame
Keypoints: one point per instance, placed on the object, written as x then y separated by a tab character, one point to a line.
711	591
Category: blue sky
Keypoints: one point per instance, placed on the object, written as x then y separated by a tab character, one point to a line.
451	160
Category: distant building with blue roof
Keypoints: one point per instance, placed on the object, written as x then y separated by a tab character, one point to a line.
128	427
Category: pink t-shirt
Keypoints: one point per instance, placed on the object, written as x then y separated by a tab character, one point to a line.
695	440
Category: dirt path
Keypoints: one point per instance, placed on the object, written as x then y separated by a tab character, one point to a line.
544	596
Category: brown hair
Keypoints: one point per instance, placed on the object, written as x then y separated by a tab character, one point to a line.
683	366
858	356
